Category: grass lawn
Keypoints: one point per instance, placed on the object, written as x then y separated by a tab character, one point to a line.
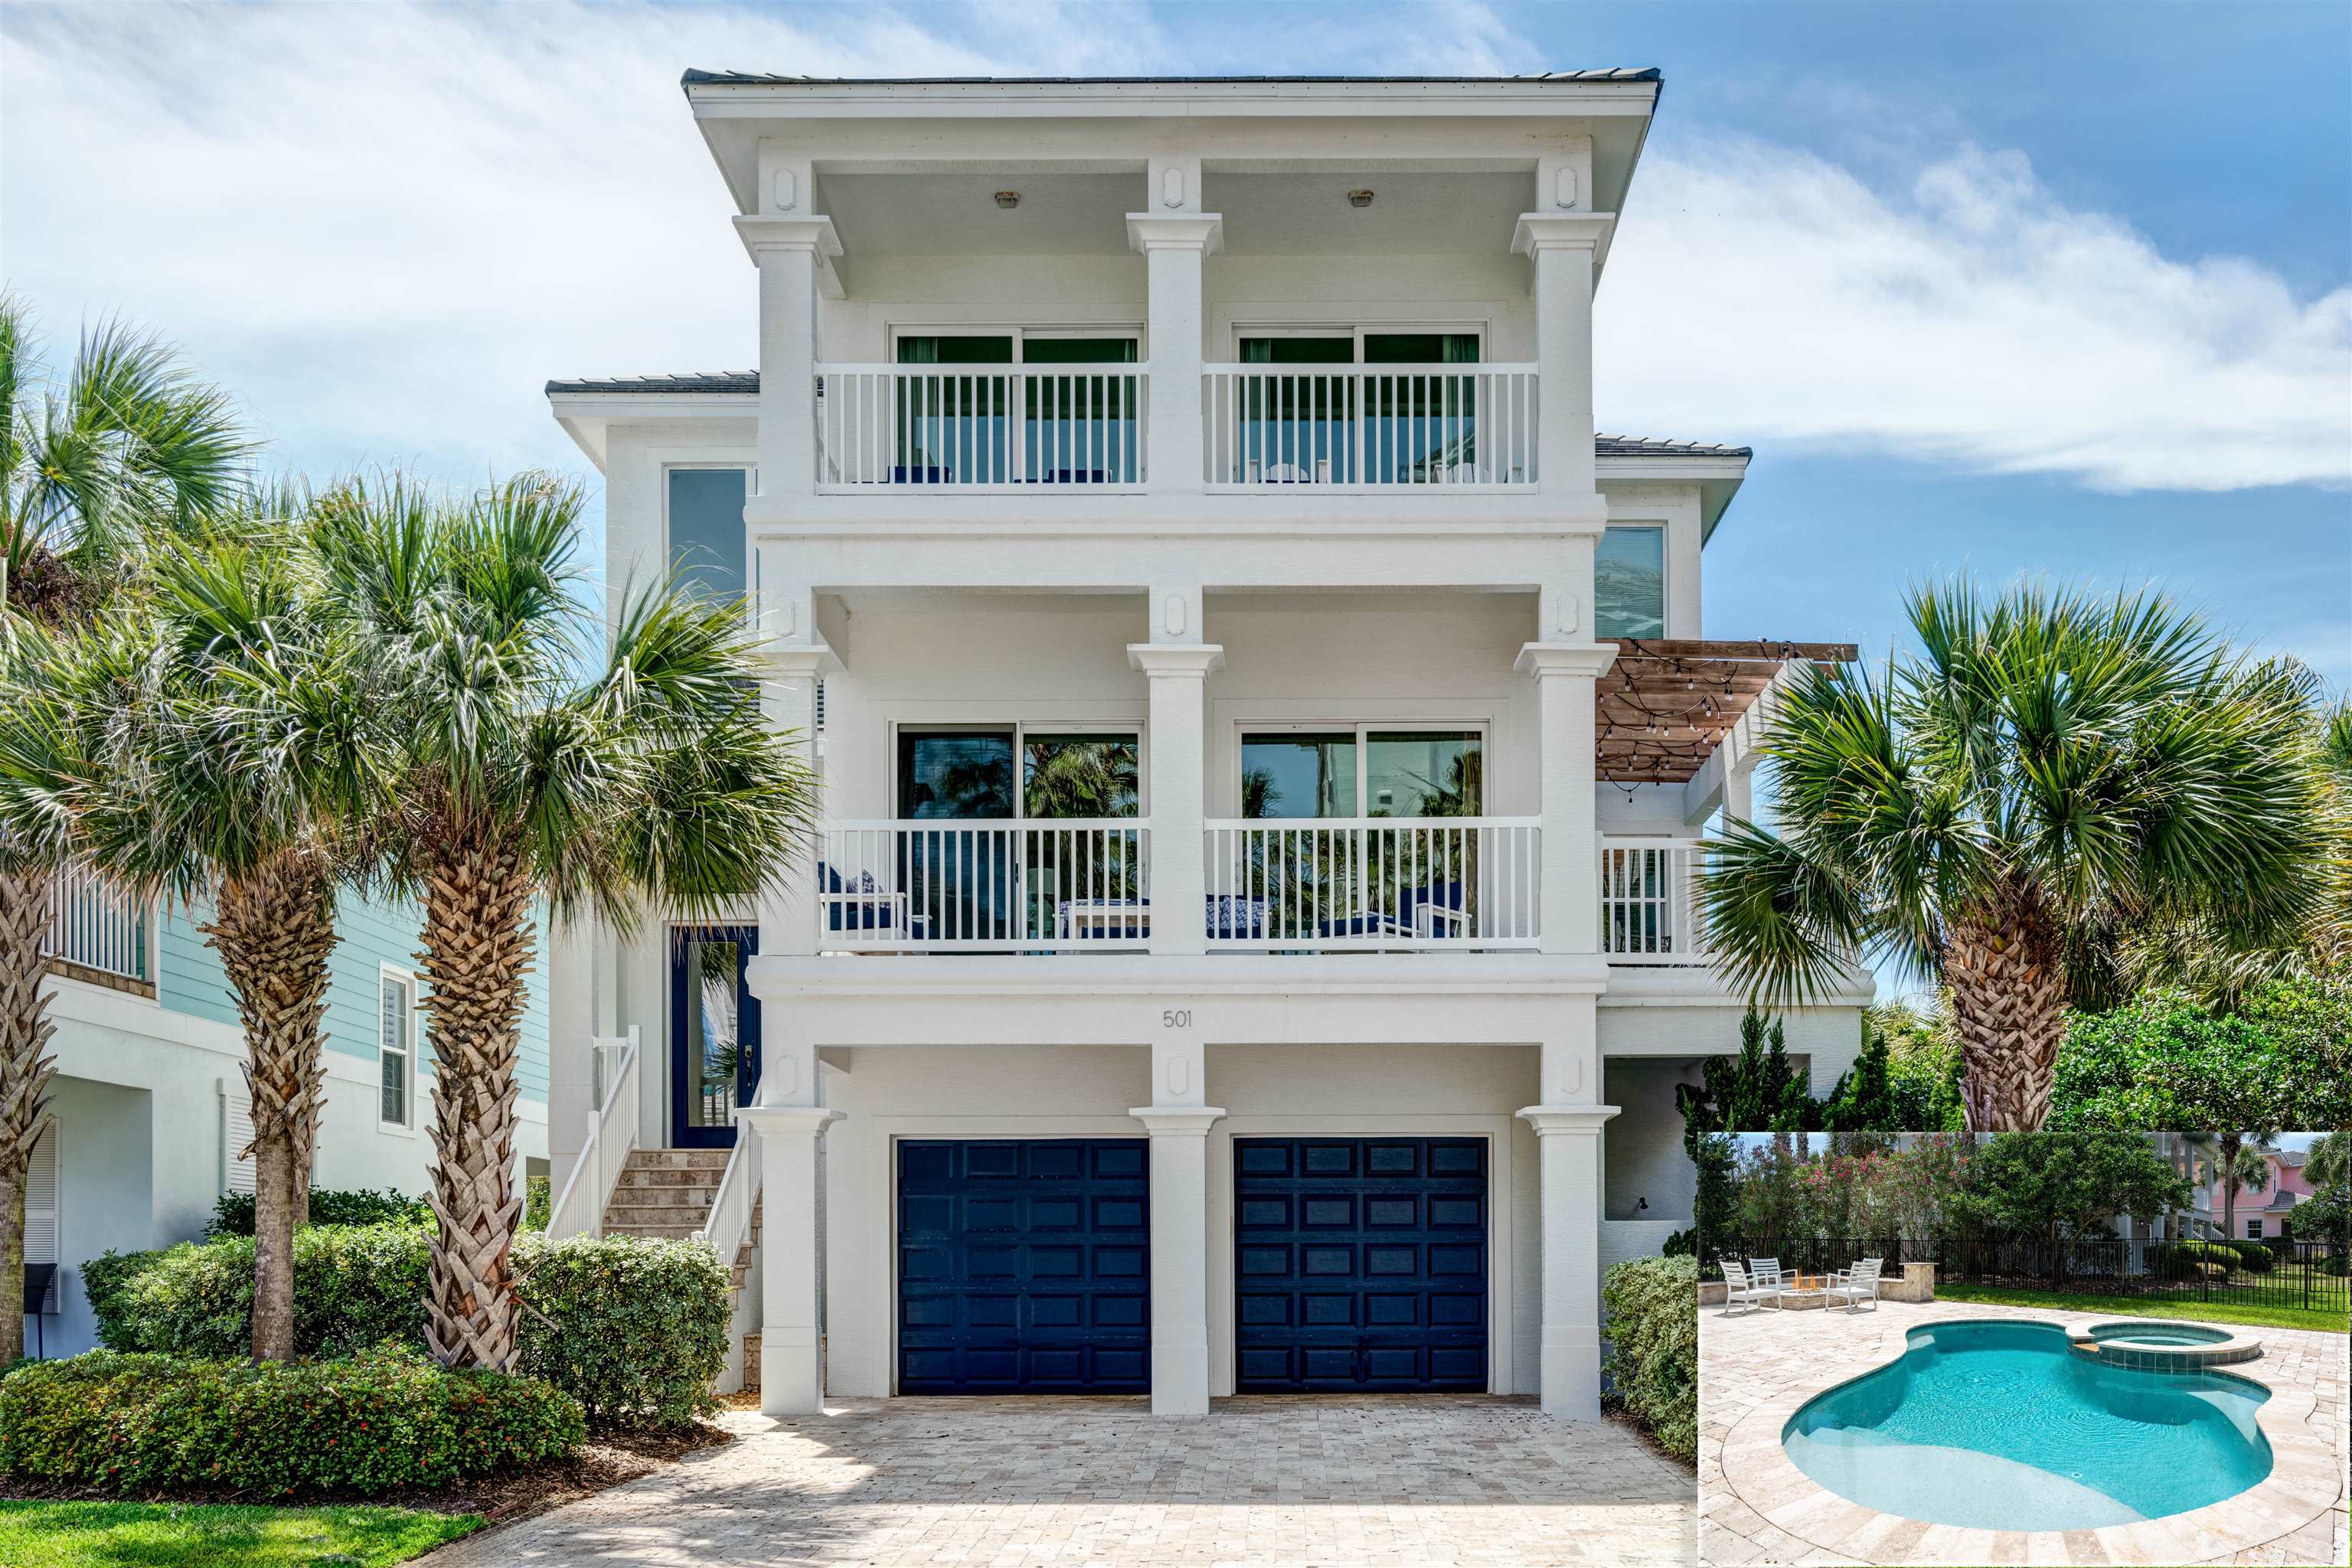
155	1535
2142	1307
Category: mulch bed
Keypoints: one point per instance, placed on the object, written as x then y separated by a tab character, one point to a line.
607	1459
1614	1412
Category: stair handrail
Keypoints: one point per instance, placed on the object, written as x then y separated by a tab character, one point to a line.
727	1226
579	1210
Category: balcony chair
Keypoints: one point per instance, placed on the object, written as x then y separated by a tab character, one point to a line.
1420	912
1228	918
1853	1285
861	903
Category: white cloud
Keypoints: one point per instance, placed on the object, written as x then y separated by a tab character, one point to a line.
385	227
1758	293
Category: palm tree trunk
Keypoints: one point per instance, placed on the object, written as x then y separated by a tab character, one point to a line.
478	939
2230	1143
275	931
2009	1008
25	1074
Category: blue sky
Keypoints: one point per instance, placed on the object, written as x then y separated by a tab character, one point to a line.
2059	289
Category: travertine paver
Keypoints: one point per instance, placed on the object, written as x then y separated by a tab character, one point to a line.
1371	1480
1755	1362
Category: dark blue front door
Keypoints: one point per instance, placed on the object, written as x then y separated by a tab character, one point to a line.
1359	1265
714	1033
1024	1266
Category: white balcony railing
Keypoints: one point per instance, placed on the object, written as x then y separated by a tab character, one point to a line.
1375	427
579	1208
979	428
95	926
1333	884
983	886
1649	913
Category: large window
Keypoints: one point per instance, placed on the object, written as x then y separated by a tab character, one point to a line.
1629	584
970	775
706	530
395	1046
958	427
1362	771
1403	420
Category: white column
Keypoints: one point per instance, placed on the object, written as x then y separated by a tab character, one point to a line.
787	909
1568	1133
1566	675
1177	1122
571	1030
1567	249
1177	740
794	256
1174	245
792	1357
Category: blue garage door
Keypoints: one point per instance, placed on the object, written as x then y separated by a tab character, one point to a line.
1024	1266
1359	1264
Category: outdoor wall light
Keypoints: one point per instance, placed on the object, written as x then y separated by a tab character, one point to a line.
1360	198
1008	200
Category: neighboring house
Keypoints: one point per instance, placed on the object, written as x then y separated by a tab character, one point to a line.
151	1102
2260	1211
1246	947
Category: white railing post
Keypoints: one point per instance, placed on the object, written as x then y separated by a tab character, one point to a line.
579	1208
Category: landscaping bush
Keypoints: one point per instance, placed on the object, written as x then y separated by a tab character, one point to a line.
2253	1256
2335	1263
1652	1306
386	1418
2196	1260
233	1213
636	1329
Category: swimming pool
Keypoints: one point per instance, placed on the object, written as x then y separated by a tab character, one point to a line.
2160	1333
1995	1425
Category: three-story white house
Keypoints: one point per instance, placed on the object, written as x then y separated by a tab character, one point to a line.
1263	731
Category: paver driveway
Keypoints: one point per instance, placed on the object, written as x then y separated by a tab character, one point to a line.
1400	1479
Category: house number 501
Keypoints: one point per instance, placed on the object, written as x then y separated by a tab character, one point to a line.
1176	1018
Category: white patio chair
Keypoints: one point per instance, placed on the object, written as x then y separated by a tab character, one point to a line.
1767	1273
1853	1285
1737	1289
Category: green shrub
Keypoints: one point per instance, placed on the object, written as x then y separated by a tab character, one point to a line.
2253	1256
538	1200
233	1213
2199	1260
1652	1307
2335	1263
636	1329
382	1419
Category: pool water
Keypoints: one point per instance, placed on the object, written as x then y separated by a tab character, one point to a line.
2159	1333
1998	1425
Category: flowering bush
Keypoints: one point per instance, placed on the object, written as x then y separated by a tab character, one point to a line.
381	1420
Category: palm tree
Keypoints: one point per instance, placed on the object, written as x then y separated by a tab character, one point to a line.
2046	775
520	783
2239	1163
128	445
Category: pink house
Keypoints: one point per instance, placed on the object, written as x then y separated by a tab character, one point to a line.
2259	1211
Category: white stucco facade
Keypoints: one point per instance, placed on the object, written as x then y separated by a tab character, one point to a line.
1198	597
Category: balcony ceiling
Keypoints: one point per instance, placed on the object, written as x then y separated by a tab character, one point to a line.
1665	705
1298	213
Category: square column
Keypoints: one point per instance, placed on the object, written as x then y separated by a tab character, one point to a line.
1178	1124
1567	1138
1567	248
1174	243
1177	737
1567	677
792	1356
788	906
795	256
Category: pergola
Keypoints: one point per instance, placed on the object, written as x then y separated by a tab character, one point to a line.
1667	704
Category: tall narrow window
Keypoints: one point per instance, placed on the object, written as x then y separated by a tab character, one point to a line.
1629	584
706	530
395	1045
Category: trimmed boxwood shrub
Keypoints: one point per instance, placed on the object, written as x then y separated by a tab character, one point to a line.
233	1215
2253	1256
384	1419
2199	1260
1652	1310
634	1328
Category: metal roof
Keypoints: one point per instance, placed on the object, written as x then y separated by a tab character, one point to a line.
771	79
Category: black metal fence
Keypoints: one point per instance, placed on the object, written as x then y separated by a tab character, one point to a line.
2308	1275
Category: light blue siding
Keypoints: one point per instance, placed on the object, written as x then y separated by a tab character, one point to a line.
373	933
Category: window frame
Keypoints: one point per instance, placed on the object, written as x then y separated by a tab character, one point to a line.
1665	571
387	972
1018	332
2254	1228
1483	729
1359	331
751	472
1021	729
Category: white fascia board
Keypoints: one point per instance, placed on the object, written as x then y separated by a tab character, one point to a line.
1718	480
586	415
1161	100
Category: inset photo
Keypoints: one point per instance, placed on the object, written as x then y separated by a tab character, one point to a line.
2027	1347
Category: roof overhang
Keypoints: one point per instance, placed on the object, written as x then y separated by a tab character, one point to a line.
588	417
1717	475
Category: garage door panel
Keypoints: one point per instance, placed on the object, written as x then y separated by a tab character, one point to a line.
1360	1264
1024	1266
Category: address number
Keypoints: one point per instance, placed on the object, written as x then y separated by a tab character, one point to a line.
1176	1018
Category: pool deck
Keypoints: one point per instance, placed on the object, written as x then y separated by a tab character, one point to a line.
1756	1507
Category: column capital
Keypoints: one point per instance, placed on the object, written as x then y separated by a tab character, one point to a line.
1546	659
1196	659
787	1121
763	232
801	660
1562	231
1204	232
1549	1120
1177	1120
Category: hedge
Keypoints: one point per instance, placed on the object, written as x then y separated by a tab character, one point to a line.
233	1213
2253	1256
1651	1305
2199	1260
384	1418
636	1329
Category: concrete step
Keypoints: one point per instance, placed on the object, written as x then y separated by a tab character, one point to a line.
668	1180
663	1197
651	1229
630	1216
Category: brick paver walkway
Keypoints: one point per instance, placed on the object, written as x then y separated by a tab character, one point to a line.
1755	1359
1398	1480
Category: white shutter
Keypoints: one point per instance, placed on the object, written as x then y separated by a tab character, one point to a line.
41	1210
236	1133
